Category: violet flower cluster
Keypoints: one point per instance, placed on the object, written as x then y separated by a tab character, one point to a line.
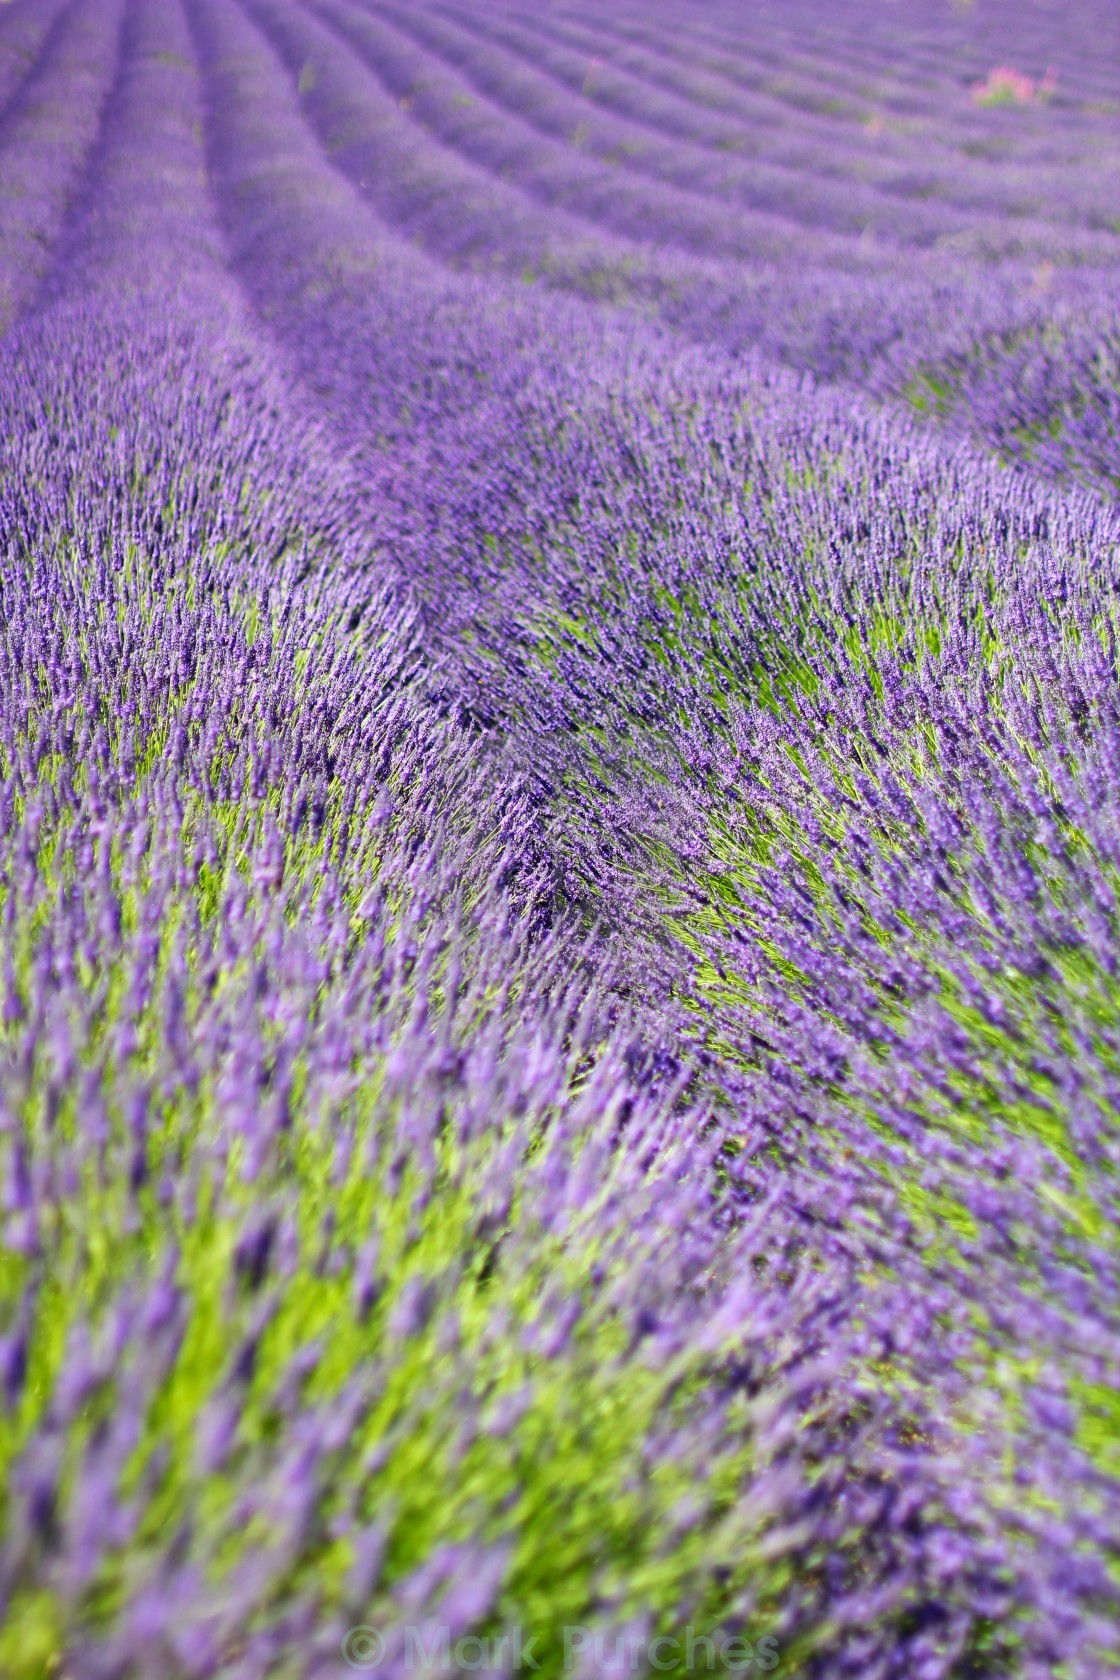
559	834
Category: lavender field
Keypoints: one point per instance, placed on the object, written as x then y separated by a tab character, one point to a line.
559	838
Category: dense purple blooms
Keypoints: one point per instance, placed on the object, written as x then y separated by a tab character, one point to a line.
559	833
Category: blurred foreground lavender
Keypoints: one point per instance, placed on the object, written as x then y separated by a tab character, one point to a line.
559	832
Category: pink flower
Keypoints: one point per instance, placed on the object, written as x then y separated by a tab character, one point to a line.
1004	86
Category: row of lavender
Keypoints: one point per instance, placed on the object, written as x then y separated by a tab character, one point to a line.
629	181
495	145
558	890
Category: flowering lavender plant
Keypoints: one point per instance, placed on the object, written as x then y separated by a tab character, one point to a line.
559	839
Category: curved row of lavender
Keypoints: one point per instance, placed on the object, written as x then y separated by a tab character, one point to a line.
559	841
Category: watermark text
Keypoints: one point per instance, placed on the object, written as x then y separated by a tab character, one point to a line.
430	1649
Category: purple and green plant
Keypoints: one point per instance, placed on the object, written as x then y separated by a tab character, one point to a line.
559	842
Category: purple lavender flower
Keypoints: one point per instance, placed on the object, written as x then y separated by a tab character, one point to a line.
559	738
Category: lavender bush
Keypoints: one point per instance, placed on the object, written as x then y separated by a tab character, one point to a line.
559	842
